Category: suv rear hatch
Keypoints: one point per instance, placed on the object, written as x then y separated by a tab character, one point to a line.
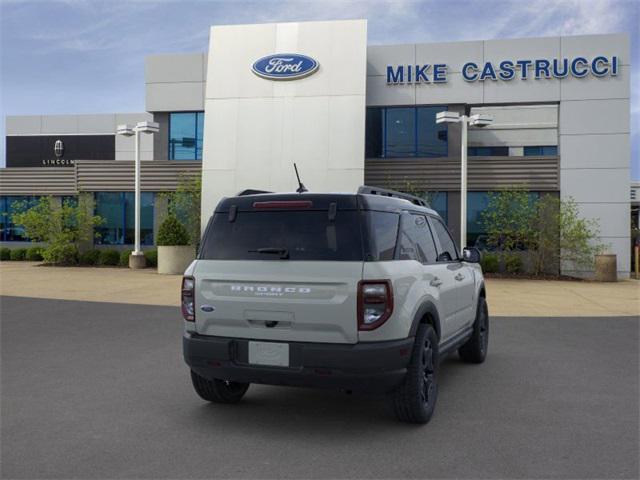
281	268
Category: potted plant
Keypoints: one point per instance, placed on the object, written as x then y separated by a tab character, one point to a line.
174	252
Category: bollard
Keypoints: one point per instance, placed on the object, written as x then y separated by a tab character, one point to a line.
606	268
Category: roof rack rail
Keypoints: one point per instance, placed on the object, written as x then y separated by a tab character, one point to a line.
251	191
392	193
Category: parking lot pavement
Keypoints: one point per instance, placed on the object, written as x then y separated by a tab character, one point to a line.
99	390
507	297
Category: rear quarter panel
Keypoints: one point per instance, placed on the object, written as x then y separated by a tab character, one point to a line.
411	289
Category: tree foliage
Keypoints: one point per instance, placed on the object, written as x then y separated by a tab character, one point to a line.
184	204
62	227
550	228
508	219
172	232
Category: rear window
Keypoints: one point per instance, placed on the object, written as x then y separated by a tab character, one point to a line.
264	235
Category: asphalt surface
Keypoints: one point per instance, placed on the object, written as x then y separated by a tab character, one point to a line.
97	390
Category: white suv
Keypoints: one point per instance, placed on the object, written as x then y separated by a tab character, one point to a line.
361	292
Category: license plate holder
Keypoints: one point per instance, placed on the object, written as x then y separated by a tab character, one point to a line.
271	354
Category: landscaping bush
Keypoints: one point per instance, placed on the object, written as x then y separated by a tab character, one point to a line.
90	257
490	263
124	258
34	254
18	254
172	232
61	227
152	257
5	253
109	257
513	264
61	254
184	203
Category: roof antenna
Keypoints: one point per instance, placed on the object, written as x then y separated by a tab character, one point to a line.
301	188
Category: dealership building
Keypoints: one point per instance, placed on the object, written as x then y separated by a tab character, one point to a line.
347	113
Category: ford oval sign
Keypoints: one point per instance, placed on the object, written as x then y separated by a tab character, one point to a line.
285	66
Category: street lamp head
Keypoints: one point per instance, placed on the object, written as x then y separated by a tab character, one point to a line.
147	127
126	130
480	120
447	117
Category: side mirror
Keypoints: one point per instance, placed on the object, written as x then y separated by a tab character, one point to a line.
471	255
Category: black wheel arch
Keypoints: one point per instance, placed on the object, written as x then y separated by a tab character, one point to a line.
482	290
427	313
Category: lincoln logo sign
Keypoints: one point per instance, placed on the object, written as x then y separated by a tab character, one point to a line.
58	148
285	66
541	68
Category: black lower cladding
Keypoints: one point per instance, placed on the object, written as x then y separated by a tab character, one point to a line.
364	367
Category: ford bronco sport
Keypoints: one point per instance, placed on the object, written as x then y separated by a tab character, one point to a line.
360	292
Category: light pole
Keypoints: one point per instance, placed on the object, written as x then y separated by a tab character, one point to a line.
136	259
478	120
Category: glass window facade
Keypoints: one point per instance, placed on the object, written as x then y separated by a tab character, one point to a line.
10	232
405	132
117	211
544	151
488	151
185	135
438	201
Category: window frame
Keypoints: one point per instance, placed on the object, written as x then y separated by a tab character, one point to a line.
196	115
6	204
122	227
436	238
416	129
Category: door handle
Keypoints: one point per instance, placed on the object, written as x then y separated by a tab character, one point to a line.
459	277
436	282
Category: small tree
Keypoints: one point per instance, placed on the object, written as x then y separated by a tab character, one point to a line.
62	227
562	236
507	219
545	242
172	232
578	236
184	204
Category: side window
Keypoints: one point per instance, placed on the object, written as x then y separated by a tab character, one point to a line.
448	251
415	240
383	232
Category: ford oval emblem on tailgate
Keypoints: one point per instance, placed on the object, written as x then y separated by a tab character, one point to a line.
285	66
207	308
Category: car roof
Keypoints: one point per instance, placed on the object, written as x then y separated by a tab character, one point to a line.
321	201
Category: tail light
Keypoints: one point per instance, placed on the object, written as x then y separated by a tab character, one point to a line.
375	303
188	302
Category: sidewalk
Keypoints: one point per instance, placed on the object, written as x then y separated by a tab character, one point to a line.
531	298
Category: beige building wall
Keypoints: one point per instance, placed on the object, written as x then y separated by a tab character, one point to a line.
255	128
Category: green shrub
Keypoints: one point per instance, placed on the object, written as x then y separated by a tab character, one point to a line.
490	263
61	254
62	227
34	254
152	257
18	254
90	257
172	232
513	264
5	253
109	257
124	258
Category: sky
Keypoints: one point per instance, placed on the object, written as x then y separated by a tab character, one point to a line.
87	56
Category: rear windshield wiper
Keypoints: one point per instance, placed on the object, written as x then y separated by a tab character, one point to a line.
283	252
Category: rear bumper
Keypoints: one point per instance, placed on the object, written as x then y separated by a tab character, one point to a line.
364	367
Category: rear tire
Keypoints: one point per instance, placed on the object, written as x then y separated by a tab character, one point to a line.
415	400
475	349
218	391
